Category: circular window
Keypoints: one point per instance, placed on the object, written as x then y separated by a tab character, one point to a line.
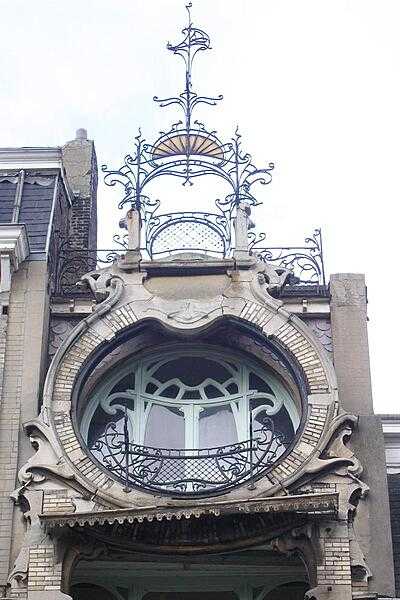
188	420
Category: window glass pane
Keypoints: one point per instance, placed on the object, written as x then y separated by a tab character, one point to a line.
100	421
192	370
126	383
170	392
283	424
233	388
191	395
212	391
165	427
217	427
151	388
256	383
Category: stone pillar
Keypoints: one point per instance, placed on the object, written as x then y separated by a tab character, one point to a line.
352	366
132	223
325	551
241	232
25	348
350	342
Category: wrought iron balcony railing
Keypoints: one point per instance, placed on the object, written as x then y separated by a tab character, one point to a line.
168	234
71	263
188	471
306	263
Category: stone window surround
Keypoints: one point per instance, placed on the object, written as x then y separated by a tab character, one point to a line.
291	335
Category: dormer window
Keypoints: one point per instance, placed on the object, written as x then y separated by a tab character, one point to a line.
189	420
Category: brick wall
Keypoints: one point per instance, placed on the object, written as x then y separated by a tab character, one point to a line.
335	569
80	223
44	571
57	501
79	159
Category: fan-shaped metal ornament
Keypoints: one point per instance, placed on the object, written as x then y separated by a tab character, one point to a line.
188	144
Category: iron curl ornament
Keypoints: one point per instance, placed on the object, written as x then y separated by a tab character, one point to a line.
186	151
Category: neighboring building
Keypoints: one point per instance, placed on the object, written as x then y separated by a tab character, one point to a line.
194	419
391	433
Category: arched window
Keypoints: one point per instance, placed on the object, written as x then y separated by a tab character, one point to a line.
183	406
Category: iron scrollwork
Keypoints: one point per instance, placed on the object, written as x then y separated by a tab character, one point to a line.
188	471
186	232
186	151
305	262
73	262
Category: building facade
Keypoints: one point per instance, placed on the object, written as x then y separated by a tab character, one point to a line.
188	414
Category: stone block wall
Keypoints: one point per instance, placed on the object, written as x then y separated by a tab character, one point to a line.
11	345
21	359
352	366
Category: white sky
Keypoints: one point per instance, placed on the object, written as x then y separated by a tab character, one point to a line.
313	84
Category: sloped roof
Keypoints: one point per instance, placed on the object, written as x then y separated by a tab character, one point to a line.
27	190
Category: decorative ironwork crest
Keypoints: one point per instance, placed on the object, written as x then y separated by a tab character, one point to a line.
189	150
186	151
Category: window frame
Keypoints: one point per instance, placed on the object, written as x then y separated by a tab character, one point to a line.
238	402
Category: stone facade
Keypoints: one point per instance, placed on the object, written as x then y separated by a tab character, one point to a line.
323	502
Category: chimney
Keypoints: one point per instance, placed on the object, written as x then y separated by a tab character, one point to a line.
80	163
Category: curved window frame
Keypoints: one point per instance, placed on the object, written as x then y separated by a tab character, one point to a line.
238	402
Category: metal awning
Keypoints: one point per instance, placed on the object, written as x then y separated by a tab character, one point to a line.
312	505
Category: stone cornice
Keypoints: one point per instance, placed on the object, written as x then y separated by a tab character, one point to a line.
30	158
14	242
14	249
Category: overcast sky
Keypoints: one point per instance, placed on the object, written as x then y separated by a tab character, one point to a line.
313	84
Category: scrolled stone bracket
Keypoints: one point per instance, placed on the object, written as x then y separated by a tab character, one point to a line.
100	283
270	278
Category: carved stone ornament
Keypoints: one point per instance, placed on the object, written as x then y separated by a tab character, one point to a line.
125	301
189	314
